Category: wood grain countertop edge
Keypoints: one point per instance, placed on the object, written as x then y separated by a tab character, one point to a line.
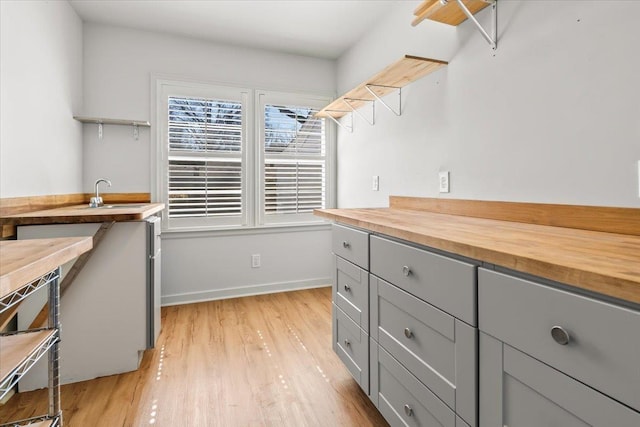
583	278
51	253
82	214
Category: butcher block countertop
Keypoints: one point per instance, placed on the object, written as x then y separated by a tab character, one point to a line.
83	213
23	261
603	262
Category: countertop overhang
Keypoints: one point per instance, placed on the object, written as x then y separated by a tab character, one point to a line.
23	261
83	214
596	261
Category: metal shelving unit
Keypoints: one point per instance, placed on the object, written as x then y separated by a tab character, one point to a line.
19	351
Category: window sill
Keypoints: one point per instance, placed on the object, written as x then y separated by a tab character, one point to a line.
198	232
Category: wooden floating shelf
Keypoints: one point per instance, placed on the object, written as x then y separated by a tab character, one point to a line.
449	13
406	70
15	349
103	121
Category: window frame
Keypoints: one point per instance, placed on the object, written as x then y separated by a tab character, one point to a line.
253	217
263	98
168	88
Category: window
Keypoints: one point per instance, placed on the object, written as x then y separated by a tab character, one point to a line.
227	163
293	157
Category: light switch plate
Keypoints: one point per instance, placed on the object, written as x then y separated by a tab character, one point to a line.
375	184
255	261
443	182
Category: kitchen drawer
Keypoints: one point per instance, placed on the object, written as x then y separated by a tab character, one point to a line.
518	390
351	292
447	283
351	244
434	346
401	398
351	344
603	350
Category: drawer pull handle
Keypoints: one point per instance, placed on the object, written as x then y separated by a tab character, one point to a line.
406	271
347	343
560	335
347	288
408	410
346	244
408	333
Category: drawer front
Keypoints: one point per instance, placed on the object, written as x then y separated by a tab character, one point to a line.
351	244
518	390
443	282
401	398
351	344
603	350
351	292
434	346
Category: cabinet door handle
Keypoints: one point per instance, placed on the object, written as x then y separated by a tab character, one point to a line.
347	343
347	288
560	335
408	410
406	271
408	333
346	244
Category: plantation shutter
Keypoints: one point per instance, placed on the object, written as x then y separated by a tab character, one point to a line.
294	162
205	143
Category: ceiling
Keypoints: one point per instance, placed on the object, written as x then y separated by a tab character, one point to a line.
319	28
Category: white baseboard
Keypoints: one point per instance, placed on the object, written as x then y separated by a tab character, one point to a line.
269	288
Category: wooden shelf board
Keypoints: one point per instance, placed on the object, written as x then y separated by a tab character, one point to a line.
397	75
104	121
14	349
24	261
41	424
449	13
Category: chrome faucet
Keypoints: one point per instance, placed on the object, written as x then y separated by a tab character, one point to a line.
96	201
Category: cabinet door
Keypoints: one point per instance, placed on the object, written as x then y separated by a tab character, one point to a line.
435	347
351	291
401	398
351	344
518	390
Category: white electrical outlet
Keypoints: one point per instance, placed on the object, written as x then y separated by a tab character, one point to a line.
255	261
443	182
375	185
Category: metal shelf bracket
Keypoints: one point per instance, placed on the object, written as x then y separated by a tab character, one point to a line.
136	132
373	109
491	39
387	106
100	131
348	128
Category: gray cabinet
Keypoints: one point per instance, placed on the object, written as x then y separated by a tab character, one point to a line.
423	316
402	399
351	301
518	390
551	357
351	291
407	321
447	283
438	349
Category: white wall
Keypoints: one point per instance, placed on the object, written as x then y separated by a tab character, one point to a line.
41	89
553	115
119	69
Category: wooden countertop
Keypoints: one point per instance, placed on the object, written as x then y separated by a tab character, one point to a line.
23	261
83	214
602	262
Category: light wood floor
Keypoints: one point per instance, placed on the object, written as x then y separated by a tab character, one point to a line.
255	361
